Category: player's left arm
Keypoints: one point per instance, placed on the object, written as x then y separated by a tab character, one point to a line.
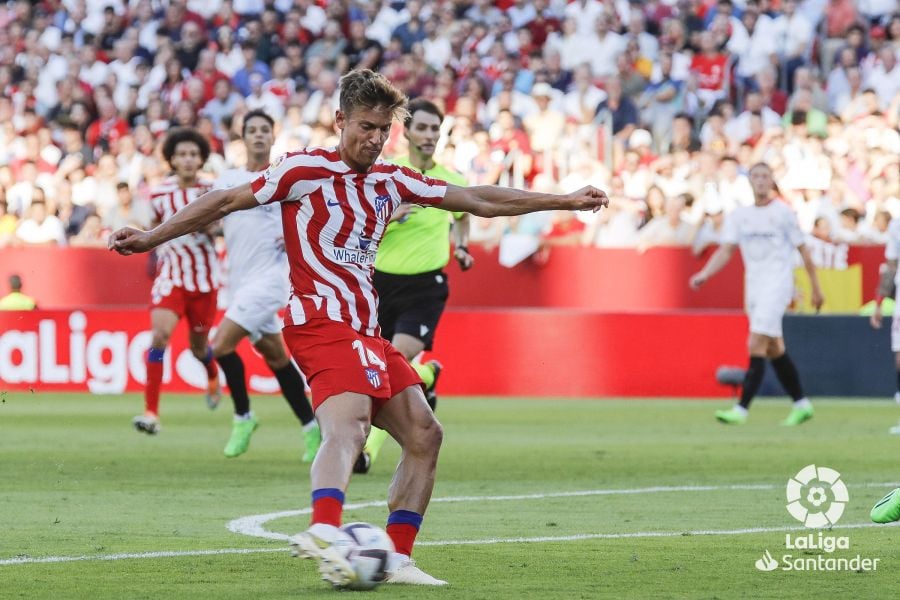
497	201
461	226
196	216
817	298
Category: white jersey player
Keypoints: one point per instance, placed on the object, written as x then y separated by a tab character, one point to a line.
767	234
887	287
258	288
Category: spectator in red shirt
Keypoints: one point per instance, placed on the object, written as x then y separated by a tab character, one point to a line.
208	73
108	128
543	24
773	97
709	65
511	146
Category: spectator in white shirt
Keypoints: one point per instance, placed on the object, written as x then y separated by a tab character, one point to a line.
581	103
40	228
739	127
605	48
648	44
884	77
521	13
585	13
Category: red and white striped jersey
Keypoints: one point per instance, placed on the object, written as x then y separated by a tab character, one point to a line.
334	218
188	261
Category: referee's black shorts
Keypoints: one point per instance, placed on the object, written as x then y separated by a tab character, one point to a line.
411	304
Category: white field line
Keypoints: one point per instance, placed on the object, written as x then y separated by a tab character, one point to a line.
253	526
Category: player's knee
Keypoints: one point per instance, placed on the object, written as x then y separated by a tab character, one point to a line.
199	352
277	363
220	348
160	340
275	356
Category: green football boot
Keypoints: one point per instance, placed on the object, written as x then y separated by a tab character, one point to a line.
240	437
312	439
887	509
732	416
798	415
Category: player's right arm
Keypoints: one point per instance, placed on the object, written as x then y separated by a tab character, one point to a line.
497	201
887	273
197	215
715	264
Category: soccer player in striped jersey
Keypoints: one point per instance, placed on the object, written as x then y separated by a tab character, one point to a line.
258	287
187	279
336	204
409	268
768	235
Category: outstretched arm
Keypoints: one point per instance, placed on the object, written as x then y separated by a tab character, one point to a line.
887	272
715	264
817	298
206	209
497	201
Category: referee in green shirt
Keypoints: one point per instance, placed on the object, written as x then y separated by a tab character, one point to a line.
409	267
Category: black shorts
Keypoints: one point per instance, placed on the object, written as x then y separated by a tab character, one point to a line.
411	304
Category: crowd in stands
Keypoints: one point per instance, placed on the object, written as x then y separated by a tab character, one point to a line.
663	103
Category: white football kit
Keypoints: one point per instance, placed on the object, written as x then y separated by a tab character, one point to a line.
768	237
258	283
892	252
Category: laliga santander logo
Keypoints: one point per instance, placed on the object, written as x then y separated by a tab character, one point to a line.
816	496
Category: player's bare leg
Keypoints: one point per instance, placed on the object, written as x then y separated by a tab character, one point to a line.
409	420
202	351
410	347
344	421
162	323
271	346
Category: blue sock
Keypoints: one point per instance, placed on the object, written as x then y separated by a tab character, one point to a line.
155	355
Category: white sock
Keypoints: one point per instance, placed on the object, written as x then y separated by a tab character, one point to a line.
311	425
245	417
803	403
740	409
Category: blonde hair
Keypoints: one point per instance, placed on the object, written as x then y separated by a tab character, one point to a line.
365	88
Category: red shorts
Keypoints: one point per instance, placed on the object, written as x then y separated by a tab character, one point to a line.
198	307
335	359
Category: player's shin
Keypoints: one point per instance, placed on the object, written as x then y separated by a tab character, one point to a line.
233	367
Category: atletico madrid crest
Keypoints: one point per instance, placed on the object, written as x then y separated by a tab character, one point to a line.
383	207
373	377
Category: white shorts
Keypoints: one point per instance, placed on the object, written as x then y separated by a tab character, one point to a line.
766	312
255	308
895	329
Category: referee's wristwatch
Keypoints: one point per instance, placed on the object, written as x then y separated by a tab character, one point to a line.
462	256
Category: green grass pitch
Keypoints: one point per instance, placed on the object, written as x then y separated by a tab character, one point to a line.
535	499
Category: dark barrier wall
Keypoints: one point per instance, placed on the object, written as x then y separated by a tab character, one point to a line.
838	356
614	280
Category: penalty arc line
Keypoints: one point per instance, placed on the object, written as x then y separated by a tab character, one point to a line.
487	541
253	526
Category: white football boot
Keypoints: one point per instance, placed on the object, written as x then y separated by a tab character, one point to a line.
328	546
403	570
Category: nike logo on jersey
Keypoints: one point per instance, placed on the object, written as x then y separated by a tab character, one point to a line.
332	202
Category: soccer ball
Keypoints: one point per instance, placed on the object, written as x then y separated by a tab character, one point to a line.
369	554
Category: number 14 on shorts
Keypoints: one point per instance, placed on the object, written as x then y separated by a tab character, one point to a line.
368	359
